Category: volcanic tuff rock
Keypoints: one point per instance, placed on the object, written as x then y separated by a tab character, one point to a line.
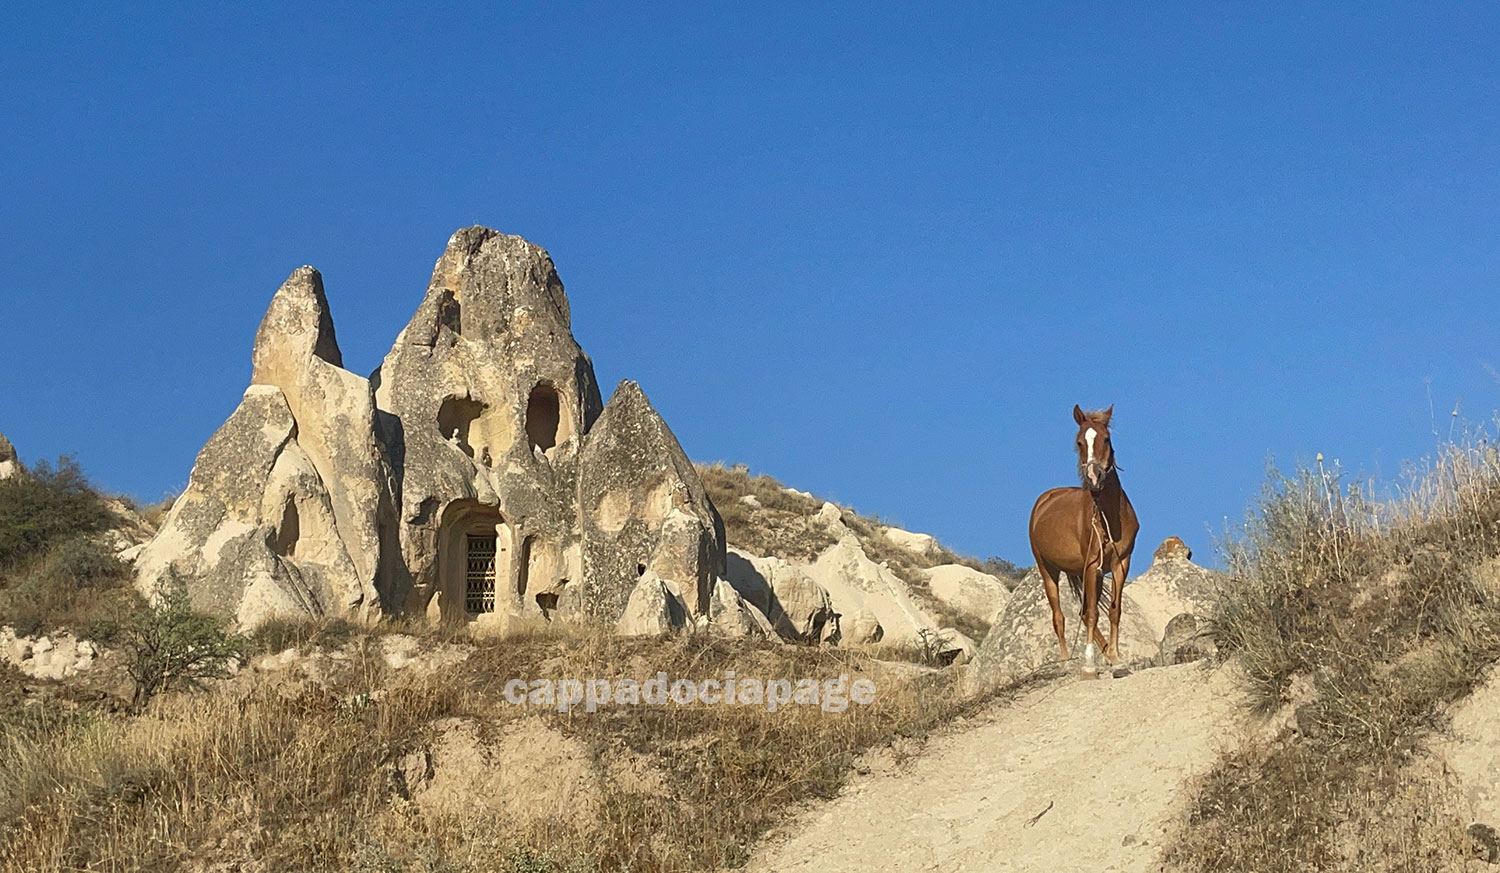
1021	641
476	476
10	464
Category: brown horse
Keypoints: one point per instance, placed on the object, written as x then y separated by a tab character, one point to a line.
1086	532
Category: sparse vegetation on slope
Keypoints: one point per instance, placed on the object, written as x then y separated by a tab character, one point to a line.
1384	612
54	571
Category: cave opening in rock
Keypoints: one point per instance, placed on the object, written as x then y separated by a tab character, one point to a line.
543	417
455	418
289	531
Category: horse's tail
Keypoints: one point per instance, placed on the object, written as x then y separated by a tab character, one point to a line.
1075	581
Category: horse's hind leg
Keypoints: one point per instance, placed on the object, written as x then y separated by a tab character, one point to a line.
1049	584
1117	592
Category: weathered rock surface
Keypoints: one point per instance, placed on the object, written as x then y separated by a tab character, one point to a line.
253	536
644	507
51	656
914	542
796	606
733	616
1187	638
874	604
975	594
475	477
10	463
655	607
296	351
1172	586
1021	642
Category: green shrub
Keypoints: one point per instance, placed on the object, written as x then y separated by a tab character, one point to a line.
46	506
169	646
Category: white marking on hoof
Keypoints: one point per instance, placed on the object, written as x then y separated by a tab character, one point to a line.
1090	657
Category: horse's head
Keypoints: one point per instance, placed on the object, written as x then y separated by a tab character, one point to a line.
1096	457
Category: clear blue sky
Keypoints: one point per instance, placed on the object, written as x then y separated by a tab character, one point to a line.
878	253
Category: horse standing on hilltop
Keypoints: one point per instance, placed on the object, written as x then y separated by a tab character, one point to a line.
1085	532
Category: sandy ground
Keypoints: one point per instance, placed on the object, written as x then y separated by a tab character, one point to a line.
1102	763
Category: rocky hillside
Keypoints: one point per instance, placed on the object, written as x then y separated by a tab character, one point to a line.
791	552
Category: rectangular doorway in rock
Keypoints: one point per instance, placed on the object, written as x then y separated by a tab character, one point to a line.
479	578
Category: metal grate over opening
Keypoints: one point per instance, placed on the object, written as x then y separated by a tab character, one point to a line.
479	578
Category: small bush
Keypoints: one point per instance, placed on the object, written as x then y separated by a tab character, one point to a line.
48	505
171	646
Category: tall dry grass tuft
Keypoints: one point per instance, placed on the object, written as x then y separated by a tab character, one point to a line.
1387	610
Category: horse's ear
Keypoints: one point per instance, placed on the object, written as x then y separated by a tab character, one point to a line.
1078	415
1109	413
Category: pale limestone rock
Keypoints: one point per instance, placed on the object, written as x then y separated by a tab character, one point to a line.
50	656
296	351
1172	586
830	515
644	507
655	607
481	434
253	535
796	606
917	543
10	463
859	588
955	646
975	594
732	616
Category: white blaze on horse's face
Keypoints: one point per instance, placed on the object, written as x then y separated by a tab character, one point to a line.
1090	465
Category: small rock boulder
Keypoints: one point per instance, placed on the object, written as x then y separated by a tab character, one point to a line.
1187	638
655	607
918	543
859	588
797	607
975	594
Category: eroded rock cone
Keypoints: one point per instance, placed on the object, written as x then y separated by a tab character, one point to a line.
476	477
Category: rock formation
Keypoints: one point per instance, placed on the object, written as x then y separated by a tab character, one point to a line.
476	476
1021	642
10	464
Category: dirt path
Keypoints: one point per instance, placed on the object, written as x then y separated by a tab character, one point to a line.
1100	762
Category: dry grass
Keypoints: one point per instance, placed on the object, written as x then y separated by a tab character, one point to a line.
300	777
1389	610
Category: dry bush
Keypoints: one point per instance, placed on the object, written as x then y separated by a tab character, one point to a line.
300	776
1386	608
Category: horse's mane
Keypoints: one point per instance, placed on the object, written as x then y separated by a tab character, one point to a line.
1100	417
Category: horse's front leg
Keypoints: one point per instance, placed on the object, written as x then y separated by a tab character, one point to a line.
1092	577
1119	570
